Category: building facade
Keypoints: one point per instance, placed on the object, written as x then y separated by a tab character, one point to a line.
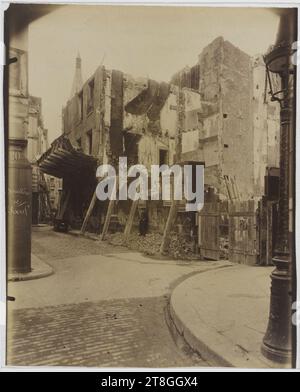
215	112
237	122
37	135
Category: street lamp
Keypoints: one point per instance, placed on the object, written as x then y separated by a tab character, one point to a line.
277	342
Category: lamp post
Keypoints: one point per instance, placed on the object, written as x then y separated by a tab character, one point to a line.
277	342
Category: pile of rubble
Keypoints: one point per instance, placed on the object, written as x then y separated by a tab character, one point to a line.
181	247
148	244
224	248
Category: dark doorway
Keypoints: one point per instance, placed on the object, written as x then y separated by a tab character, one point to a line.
163	157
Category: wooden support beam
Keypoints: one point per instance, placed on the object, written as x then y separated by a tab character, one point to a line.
107	219
237	190
226	179
164	247
129	223
233	189
108	214
88	213
170	223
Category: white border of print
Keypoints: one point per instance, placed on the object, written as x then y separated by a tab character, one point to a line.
196	3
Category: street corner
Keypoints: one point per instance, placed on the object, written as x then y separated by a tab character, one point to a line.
39	269
224	322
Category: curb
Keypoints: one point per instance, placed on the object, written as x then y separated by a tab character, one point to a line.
40	269
90	236
210	345
200	347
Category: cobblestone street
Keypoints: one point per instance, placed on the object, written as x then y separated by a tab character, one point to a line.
49	245
127	333
103	306
149	189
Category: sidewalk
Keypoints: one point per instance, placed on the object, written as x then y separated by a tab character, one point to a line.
39	269
223	314
101	277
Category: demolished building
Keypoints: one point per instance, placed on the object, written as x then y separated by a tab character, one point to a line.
215	112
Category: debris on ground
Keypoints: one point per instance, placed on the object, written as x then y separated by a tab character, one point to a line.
224	247
181	247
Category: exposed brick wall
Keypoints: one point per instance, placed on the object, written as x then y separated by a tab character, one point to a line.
76	126
213	112
116	122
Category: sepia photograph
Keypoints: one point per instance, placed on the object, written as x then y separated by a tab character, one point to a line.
149	202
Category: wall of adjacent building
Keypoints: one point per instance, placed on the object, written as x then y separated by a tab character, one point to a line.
225	81
266	126
37	135
233	122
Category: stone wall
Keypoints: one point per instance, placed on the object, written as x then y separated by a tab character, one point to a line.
215	112
266	126
227	139
79	121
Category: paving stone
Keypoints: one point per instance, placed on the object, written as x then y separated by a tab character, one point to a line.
127	333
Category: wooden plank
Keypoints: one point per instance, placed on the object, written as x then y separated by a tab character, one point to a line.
227	187
200	223
170	223
233	188
210	240
88	213
237	190
129	223
242	213
107	219
108	215
46	190
242	233
209	231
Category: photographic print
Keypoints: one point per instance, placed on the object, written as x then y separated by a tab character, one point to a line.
150	186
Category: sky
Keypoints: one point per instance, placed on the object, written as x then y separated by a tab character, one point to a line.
154	42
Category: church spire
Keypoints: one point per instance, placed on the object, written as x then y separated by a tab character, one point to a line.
77	81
